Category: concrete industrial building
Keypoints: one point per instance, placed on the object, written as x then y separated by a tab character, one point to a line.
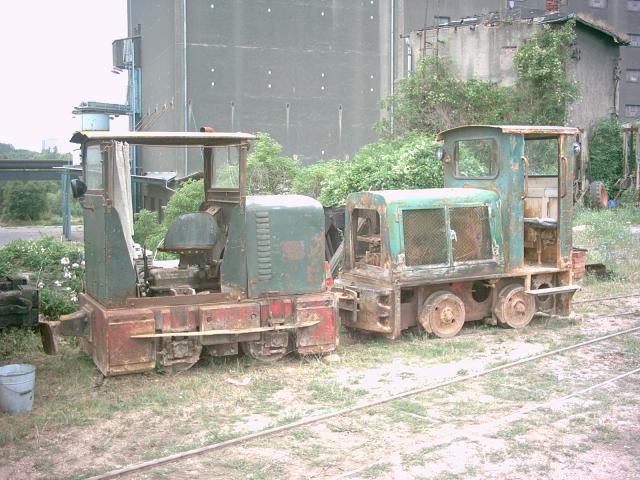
309	72
483	49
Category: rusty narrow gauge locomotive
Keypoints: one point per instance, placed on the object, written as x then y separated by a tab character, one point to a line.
495	244
251	272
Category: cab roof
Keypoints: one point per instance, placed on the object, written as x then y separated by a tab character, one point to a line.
424	197
529	131
205	139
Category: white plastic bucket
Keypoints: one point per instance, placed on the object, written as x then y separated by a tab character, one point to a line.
16	387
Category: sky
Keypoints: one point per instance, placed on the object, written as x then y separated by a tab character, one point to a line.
56	54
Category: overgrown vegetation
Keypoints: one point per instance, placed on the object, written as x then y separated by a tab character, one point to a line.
433	99
612	238
386	165
268	171
33	201
56	267
188	198
544	92
606	140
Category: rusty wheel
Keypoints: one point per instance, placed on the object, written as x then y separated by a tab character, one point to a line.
514	308
270	348
442	314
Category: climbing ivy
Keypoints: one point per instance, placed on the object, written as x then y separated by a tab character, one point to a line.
544	91
433	99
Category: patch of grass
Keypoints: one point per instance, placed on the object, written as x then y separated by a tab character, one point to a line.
301	434
514	430
522	384
255	469
609	238
331	392
604	434
410	406
422	456
376	471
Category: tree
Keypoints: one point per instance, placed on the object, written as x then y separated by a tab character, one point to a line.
25	200
269	172
404	163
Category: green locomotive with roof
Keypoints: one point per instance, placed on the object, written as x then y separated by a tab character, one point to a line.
494	244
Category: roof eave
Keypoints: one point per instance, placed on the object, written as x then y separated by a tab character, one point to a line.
204	139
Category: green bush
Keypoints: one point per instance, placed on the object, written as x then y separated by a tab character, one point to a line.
311	180
25	201
56	267
386	164
268	172
605	152
188	198
146	228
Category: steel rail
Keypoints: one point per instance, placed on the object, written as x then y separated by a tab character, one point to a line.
602	299
481	428
345	411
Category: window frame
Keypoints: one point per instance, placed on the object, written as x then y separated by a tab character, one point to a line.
495	163
104	162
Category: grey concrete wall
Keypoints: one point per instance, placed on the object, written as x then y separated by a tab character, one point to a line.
595	69
310	73
484	52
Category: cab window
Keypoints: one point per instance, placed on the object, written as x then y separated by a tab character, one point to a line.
542	155
226	168
476	158
94	167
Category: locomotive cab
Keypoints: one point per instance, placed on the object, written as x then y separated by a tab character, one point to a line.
495	244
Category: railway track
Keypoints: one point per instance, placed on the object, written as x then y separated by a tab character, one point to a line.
139	467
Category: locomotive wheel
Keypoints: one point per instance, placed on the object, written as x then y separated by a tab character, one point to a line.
442	314
264	352
514	308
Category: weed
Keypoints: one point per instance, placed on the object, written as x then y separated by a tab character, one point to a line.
376	471
332	393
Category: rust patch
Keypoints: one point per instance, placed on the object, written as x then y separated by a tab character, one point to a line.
292	249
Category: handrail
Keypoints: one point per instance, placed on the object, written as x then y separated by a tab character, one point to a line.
526	177
563	177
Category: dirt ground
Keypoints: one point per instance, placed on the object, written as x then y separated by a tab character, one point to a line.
512	424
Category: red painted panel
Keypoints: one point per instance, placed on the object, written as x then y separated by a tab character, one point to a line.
230	316
324	336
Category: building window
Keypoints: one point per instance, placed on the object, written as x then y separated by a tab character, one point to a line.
633	5
634	38
633	76
598	3
632	111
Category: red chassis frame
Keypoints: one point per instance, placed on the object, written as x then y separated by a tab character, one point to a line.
173	330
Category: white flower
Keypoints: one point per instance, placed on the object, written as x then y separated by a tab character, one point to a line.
74	299
67	274
64	261
40	284
74	265
82	263
67	288
57	283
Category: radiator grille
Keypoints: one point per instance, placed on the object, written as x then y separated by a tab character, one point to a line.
263	244
470	234
425	236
